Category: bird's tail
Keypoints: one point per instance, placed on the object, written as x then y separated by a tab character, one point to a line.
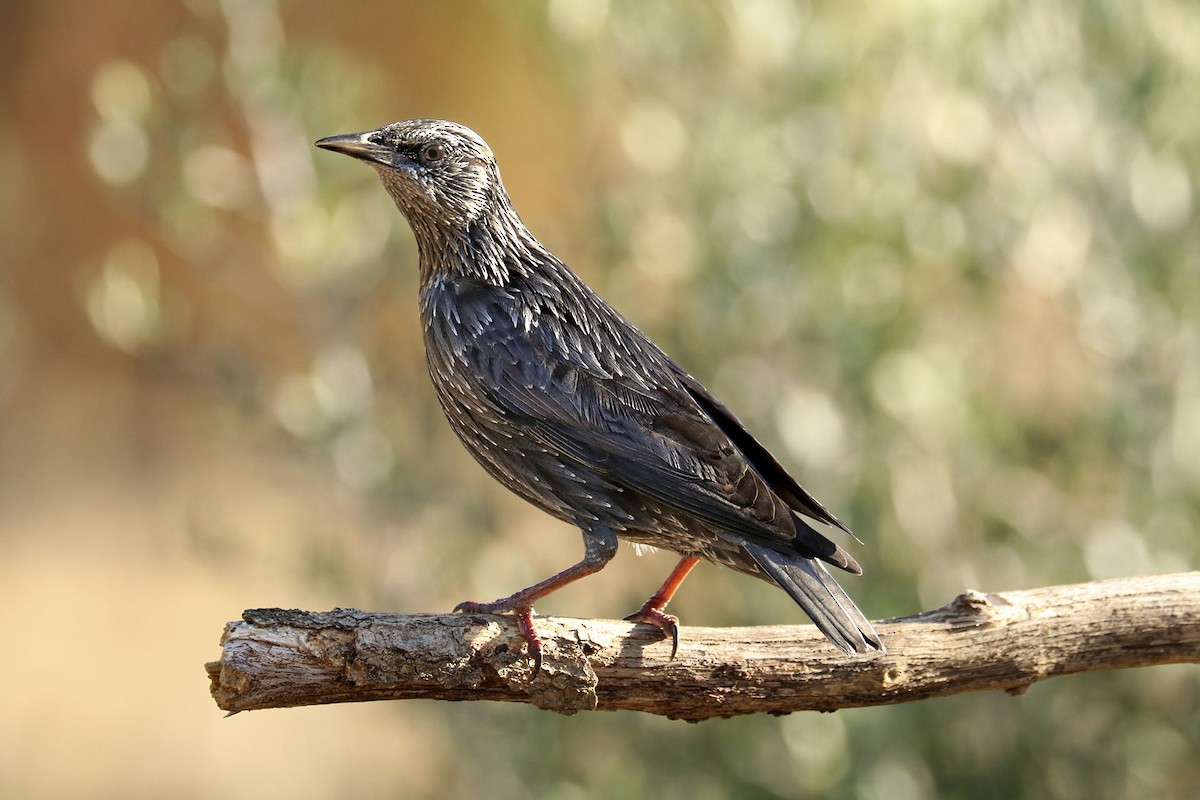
811	585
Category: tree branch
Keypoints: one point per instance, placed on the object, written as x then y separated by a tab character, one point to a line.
275	658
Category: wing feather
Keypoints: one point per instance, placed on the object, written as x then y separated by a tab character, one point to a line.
643	424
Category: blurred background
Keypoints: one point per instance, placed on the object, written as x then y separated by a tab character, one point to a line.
944	258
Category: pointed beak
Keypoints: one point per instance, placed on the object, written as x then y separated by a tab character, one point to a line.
358	146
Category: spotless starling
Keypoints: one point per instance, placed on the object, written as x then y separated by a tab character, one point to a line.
567	404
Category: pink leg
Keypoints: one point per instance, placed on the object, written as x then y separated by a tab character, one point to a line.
600	547
651	613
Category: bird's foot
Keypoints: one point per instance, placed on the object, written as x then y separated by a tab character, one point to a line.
524	617
650	614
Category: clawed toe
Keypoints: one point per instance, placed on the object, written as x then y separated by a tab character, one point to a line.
468	607
524	617
532	640
667	623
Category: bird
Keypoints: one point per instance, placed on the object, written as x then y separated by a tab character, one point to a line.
570	406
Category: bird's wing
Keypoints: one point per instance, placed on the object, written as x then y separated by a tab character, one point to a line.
642	423
780	481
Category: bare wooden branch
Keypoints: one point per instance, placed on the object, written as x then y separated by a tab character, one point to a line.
275	658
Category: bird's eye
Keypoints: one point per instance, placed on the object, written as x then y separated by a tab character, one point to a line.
432	154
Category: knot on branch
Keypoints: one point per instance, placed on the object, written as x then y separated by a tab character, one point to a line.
567	683
979	609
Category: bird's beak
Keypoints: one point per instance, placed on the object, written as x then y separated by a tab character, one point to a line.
358	146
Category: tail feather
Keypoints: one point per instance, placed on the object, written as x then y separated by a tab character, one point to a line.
812	543
815	590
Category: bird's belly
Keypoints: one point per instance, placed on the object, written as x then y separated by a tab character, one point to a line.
569	491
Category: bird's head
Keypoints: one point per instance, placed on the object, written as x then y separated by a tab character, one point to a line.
438	172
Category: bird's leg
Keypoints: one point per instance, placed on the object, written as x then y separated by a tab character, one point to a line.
651	613
600	545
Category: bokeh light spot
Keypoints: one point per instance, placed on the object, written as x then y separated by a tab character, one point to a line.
119	151
653	137
123	300
580	20
1160	191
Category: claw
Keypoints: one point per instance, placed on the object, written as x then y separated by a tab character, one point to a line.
667	623
524	617
600	544
532	640
651	612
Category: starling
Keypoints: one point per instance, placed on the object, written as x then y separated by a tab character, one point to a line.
570	406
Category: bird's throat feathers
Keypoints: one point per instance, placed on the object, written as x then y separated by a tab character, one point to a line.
493	248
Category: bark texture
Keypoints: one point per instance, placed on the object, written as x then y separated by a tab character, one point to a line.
274	658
